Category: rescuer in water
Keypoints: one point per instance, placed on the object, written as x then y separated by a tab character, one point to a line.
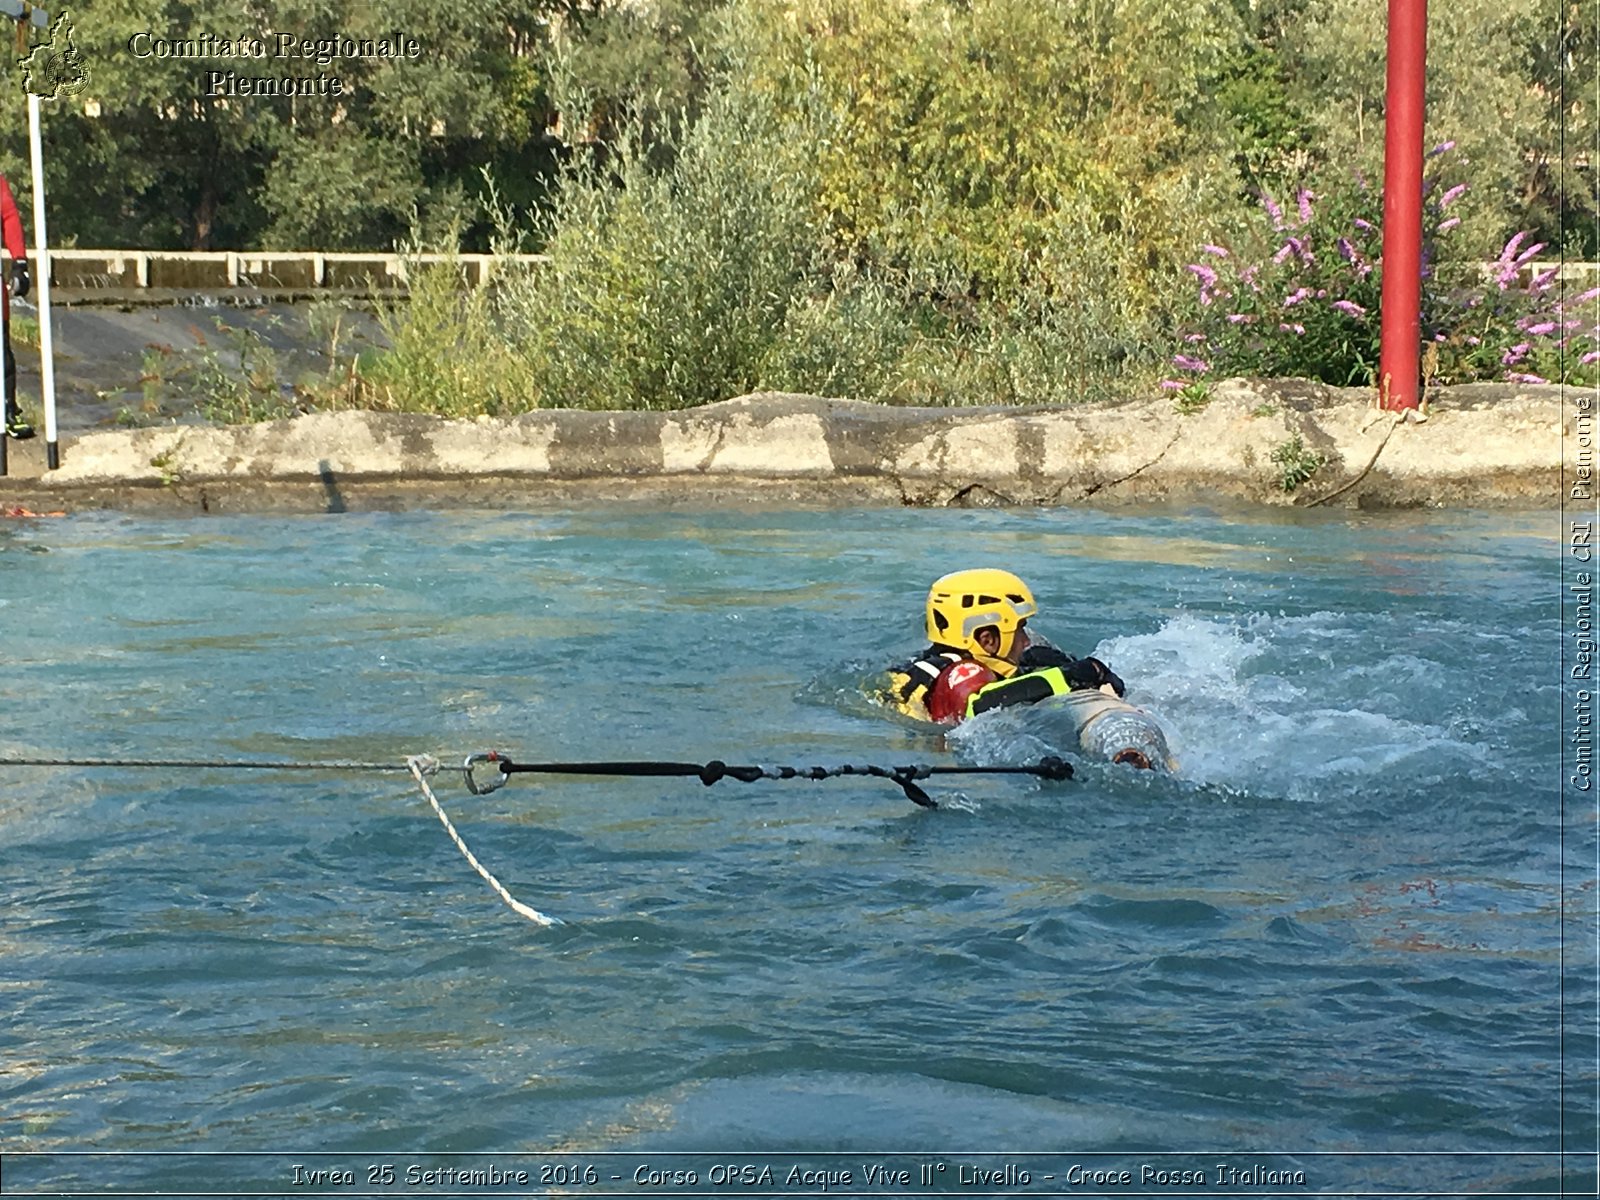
11	237
981	655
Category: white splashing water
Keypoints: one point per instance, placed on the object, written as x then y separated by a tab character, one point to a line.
1270	706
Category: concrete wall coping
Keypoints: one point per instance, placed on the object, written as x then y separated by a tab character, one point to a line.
1479	445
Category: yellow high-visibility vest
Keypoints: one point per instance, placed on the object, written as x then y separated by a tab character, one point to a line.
1019	689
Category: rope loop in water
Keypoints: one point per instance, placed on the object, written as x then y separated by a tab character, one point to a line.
417	766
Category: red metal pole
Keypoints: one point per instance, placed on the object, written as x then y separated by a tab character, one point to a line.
1398	373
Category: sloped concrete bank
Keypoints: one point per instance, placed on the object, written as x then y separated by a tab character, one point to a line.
1485	445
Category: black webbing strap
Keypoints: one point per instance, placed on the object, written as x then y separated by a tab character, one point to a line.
708	773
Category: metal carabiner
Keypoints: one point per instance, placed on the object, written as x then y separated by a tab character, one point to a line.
472	784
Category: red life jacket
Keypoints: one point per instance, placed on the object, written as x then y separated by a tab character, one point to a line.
947	698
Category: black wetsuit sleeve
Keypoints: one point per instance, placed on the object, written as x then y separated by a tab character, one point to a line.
921	672
1090	673
1037	658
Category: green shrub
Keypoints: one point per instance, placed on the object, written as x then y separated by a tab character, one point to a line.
446	353
786	237
1192	398
672	287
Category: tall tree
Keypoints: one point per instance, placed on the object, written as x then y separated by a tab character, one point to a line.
171	144
969	134
1492	80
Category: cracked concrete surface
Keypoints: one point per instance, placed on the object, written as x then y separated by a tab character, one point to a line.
1488	445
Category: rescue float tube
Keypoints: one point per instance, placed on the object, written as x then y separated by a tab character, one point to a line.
1105	727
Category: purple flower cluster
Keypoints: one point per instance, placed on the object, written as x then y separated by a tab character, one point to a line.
1507	267
1296	289
1552	331
1303	300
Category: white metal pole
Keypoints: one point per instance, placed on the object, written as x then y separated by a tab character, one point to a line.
41	276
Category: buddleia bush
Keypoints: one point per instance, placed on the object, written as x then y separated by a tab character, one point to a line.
1513	323
1299	296
1295	296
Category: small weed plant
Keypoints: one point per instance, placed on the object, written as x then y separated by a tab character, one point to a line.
168	464
155	369
240	383
1295	462
1192	397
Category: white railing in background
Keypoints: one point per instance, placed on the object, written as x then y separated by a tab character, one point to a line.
89	270
305	270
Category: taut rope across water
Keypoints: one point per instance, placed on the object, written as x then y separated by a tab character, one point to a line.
420	766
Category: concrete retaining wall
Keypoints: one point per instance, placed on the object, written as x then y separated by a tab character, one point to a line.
1482	445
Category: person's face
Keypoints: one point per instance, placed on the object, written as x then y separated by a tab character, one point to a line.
989	639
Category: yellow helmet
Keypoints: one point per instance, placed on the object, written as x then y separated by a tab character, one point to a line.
964	602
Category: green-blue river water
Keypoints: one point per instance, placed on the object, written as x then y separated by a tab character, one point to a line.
1334	943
